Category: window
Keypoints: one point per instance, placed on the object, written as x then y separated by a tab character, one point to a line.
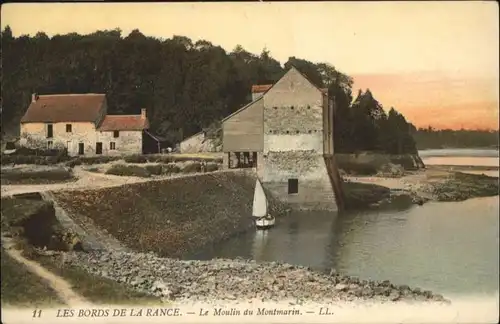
288	132
49	144
309	131
112	146
297	132
291	107
116	134
308	107
50	131
68	128
293	186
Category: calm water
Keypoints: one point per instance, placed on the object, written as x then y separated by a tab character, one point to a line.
479	157
451	248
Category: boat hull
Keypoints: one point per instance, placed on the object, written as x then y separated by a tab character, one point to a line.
264	223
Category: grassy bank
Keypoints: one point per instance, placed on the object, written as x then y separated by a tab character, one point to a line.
26	177
94	288
171	217
32	223
22	288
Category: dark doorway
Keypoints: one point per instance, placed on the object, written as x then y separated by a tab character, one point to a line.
50	130
80	149
98	148
293	186
254	159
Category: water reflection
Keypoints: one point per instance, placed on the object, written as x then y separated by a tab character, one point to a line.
447	247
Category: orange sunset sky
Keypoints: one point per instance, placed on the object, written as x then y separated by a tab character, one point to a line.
436	62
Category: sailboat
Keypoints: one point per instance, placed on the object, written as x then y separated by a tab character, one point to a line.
262	219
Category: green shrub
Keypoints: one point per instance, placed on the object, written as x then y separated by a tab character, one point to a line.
162	159
97	159
406	161
210	167
41	152
136	159
154	169
128	170
31	177
73	163
192	167
171	168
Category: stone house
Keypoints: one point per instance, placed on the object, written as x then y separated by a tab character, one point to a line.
286	134
80	123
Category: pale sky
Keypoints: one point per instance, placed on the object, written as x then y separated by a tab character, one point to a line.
443	41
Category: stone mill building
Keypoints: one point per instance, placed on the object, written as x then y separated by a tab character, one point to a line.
286	134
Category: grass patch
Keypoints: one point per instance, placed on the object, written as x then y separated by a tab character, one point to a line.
154	169
128	170
95	288
171	168
20	287
20	176
32	159
87	160
211	167
192	167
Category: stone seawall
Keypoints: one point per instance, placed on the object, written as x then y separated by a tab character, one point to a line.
172	218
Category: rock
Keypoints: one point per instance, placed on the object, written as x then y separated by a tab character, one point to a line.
232	279
341	287
394	295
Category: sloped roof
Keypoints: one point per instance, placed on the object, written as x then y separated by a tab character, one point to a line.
65	108
242	108
124	123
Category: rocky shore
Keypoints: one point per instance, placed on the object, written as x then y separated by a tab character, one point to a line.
419	187
237	280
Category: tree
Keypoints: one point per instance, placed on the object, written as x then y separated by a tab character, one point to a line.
185	86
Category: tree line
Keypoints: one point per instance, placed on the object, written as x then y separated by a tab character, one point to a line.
186	86
429	138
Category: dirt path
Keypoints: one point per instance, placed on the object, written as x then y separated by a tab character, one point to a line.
58	284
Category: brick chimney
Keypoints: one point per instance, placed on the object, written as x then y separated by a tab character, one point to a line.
34	97
143	113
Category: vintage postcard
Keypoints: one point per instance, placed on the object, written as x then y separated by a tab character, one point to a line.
250	162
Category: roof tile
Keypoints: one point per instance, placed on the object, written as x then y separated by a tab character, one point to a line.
123	123
65	108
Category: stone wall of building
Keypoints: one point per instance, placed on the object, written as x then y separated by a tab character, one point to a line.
34	135
293	144
127	142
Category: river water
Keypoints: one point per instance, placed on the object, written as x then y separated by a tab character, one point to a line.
448	247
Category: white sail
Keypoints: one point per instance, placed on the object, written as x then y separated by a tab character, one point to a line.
259	201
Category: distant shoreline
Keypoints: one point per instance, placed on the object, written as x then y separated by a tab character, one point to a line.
456	167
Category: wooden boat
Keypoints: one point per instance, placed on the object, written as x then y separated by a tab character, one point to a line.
262	219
